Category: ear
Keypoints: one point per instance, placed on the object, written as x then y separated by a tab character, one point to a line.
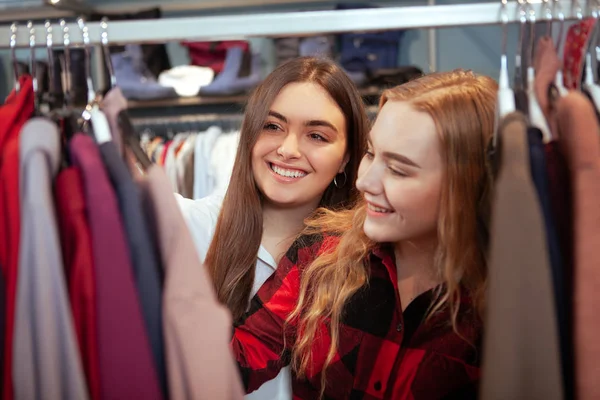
344	163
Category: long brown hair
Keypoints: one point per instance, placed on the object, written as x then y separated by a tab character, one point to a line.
462	107
232	255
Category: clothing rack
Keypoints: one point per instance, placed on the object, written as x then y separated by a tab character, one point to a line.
167	126
236	27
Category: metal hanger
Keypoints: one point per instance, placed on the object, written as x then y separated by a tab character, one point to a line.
66	68
92	113
13	55
33	66
506	96
536	116
522	10
558	79
91	94
53	99
106	51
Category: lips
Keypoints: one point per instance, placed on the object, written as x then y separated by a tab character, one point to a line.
287	172
378	209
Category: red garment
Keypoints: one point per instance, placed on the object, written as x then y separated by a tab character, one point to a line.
212	54
163	155
383	353
76	243
13	115
576	45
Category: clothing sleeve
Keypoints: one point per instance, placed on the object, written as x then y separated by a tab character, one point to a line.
262	340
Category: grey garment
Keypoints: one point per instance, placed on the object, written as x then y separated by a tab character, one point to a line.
521	344
46	363
142	252
113	103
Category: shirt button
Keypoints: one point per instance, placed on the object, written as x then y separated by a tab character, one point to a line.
399	326
377	386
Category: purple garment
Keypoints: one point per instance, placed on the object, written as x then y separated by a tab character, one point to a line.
126	366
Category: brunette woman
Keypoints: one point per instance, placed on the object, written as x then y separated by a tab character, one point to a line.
384	301
301	140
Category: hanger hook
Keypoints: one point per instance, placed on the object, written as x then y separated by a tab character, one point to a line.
576	9
504	20
86	45
532	20
13	55
561	18
49	43
67	61
32	61
106	50
549	15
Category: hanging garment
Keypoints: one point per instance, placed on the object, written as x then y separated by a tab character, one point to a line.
13	114
223	158
143	254
204	180
197	328
539	174
170	164
76	245
201	217
48	365
184	167
576	45
126	364
112	104
2	321
546	65
521	345
579	133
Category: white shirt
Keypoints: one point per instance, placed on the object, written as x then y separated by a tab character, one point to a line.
201	218
204	180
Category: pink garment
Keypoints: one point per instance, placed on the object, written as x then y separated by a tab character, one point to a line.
579	133
113	103
196	327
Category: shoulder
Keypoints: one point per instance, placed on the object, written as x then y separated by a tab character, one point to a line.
200	211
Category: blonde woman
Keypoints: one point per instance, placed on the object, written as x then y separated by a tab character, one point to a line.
384	301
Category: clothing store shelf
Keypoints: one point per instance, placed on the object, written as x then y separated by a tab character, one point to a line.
186	101
231	27
215	100
204	5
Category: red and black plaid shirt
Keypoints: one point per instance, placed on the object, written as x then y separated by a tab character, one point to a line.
383	353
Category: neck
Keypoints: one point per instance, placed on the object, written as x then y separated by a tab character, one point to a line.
415	268
282	225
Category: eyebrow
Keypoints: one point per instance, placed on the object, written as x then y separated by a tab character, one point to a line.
400	158
315	122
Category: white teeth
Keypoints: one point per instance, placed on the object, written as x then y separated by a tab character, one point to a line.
287	172
377	209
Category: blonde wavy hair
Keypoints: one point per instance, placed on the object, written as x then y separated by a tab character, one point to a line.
462	106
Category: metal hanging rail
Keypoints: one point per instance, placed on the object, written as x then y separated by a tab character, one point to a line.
236	27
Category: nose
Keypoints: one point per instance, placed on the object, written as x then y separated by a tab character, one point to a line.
289	148
370	178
